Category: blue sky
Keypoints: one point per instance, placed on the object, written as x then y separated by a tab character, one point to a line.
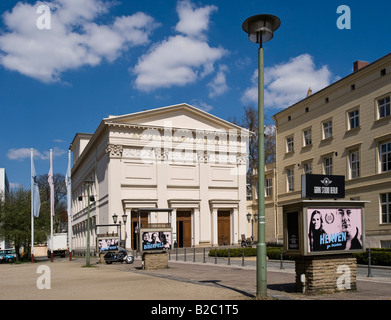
101	58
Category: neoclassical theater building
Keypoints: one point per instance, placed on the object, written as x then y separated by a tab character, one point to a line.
176	157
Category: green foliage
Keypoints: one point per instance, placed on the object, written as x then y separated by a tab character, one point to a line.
380	257
15	213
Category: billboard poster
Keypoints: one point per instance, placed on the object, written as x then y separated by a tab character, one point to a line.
156	240
332	229
106	244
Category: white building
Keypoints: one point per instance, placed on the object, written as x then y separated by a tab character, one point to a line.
175	157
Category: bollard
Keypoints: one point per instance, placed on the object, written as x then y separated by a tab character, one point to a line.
229	256
194	255
204	255
242	257
184	257
281	267
369	263
215	256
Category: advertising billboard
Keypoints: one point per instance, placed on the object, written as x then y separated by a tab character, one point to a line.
108	243
155	240
334	229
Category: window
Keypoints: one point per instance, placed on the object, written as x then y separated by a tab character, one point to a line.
354	159
307	137
383	107
268	187
327	129
385	156
328	165
289	144
354	119
385	243
307	167
290	179
385	203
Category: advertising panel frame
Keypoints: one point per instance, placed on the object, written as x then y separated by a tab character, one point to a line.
164	242
304	207
102	244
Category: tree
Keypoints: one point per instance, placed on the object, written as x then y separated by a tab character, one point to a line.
250	121
60	192
15	220
15	213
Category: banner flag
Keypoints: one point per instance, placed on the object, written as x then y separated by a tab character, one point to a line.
35	198
51	185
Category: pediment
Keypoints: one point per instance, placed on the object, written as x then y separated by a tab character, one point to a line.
181	116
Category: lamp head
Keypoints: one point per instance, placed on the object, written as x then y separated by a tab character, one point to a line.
260	27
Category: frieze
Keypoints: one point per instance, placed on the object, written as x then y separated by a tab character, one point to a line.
114	150
188	156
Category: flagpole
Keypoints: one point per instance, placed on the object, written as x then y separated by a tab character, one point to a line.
32	206
69	204
51	206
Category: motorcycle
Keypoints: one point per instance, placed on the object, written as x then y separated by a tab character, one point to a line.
120	256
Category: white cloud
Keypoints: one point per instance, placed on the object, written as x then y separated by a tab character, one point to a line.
288	83
25	153
73	41
177	61
192	21
218	85
181	59
202	105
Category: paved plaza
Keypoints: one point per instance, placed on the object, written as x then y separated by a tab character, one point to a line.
70	280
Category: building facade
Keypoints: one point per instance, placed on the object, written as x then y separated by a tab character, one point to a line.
344	129
176	157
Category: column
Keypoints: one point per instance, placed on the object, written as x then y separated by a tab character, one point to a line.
196	231
235	225
214	227
173	226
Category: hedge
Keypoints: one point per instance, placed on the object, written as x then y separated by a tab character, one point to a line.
381	257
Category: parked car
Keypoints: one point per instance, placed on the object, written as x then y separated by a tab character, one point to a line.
4	257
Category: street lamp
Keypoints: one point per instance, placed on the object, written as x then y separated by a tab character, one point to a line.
260	29
124	219
252	218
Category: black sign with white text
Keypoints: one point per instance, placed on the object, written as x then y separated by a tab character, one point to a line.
318	186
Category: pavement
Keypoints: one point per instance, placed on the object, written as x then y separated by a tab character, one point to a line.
191	280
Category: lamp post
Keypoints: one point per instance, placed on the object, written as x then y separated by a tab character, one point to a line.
260	29
252	218
124	218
